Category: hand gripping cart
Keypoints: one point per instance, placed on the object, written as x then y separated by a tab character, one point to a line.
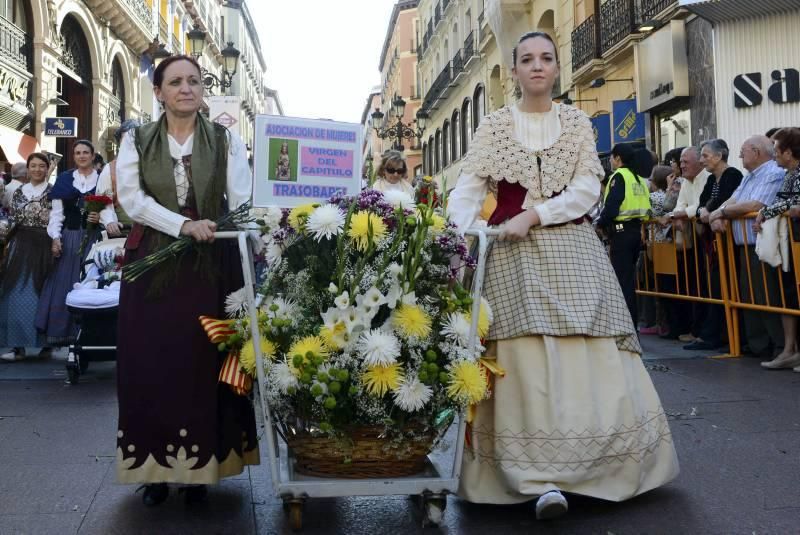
432	485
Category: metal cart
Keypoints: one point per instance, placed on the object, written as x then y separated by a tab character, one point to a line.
432	485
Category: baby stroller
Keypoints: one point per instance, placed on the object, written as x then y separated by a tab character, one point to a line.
93	303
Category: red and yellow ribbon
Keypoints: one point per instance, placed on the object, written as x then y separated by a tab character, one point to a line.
219	331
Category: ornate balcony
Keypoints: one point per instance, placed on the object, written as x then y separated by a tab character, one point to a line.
650	9
470	52
617	21
437	14
15	46
457	66
132	20
585	43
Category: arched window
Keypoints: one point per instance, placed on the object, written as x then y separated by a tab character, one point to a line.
446	144
455	143
466	125
437	157
431	149
116	112
479	106
425	158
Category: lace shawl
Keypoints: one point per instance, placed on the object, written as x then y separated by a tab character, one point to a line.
496	154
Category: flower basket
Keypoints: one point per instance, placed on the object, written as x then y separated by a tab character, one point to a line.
363	452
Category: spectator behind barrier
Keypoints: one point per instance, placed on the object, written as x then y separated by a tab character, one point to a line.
758	189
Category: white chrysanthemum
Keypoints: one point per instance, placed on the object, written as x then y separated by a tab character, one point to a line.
283	376
286	308
273	251
399	199
412	395
325	222
378	348
488	308
456	328
272	216
236	304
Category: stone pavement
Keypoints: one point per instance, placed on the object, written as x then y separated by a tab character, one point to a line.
736	428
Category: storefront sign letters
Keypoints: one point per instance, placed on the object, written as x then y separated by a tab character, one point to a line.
13	86
628	124
748	89
662	89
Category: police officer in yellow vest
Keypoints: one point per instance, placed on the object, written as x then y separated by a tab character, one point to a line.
626	204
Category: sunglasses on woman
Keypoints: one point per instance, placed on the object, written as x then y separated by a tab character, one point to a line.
392	170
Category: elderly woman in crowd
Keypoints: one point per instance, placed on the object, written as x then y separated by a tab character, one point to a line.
787	155
392	173
176	177
66	228
27	262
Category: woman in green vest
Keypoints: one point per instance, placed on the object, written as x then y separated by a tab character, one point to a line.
175	177
627	204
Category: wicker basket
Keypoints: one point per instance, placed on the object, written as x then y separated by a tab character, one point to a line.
363	453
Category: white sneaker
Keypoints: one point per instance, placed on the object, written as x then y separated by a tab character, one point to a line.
782	361
551	505
12	356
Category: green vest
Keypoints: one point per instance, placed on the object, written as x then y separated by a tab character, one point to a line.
636	204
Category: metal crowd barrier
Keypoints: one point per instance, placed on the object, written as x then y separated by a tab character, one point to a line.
682	271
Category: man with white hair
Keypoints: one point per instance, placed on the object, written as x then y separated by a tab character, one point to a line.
757	190
19	176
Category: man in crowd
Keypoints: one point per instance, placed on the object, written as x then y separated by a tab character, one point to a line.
694	180
19	176
757	189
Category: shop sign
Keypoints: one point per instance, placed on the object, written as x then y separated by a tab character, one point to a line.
225	111
61	126
12	86
601	125
784	89
662	71
628	123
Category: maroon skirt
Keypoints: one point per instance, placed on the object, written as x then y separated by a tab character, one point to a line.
177	423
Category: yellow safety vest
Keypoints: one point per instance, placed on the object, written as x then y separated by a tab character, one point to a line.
636	204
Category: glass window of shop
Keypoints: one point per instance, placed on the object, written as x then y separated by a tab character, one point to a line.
673	129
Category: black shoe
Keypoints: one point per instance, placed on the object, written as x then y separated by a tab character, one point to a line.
154	493
701	345
669	336
194	494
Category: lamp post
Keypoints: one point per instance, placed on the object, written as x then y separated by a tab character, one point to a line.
400	130
230	61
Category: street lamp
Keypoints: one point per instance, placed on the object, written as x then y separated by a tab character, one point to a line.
400	130
160	54
230	60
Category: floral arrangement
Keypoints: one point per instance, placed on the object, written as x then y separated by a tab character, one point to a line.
92	203
363	321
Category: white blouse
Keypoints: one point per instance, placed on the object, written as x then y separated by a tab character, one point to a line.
537	131
144	209
381	184
104	187
82	184
31	192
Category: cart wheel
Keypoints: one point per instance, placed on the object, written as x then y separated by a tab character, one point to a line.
73	375
296	515
433	507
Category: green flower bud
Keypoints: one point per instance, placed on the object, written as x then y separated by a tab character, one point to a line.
353	390
431	356
305	378
423	376
222	346
444	378
330	403
323	378
318	360
316	390
344	375
411	221
335	387
291	391
274	308
433	368
297	361
309	355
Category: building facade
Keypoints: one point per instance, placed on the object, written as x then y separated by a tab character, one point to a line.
398	67
371	144
92	60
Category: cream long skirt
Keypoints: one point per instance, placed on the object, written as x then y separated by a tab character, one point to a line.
572	413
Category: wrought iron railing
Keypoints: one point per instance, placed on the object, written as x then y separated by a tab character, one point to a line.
15	46
445	3
114	113
617	21
457	64
441	82
469	46
142	11
437	14
146	117
585	43
651	8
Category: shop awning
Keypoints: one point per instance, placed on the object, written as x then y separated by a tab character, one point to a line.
720	10
16	145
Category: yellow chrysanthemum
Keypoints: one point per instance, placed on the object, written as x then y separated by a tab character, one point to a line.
247	357
438	223
484	319
299	214
411	321
467	383
314	344
381	379
359	229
